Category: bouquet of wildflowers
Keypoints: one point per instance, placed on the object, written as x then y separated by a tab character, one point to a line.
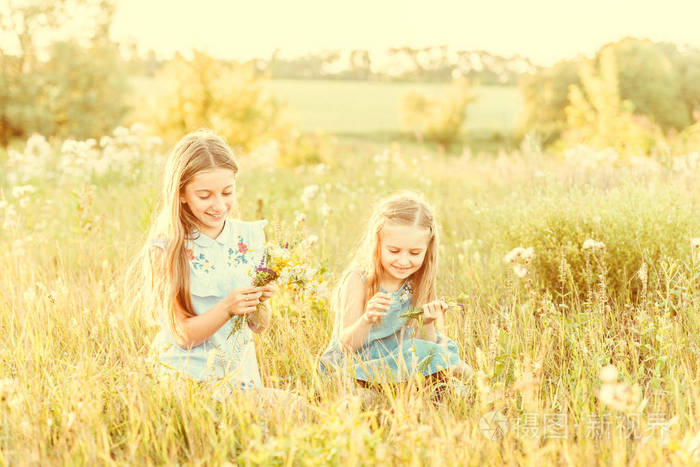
290	266
262	275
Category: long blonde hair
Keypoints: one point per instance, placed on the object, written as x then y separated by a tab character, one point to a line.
175	224
403	208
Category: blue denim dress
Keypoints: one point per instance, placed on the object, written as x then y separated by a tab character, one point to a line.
217	266
390	353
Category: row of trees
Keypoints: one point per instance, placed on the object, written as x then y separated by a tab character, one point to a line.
636	96
425	64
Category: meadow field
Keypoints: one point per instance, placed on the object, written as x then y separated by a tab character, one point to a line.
366	107
585	355
370	109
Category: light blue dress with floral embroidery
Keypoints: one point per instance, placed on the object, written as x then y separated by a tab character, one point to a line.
217	266
390	353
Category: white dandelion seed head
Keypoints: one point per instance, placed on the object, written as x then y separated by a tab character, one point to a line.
309	193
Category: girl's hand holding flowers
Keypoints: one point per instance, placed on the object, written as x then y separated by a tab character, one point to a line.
267	292
260	319
243	300
433	310
377	307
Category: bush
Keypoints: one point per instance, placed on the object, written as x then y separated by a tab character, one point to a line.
656	82
437	120
232	100
598	116
635	223
208	93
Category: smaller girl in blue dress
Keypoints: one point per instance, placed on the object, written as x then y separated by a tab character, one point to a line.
392	272
200	263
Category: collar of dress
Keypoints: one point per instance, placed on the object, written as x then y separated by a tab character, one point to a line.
204	241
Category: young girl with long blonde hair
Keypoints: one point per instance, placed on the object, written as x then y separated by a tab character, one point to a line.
393	271
199	268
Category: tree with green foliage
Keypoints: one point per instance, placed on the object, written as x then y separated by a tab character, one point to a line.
545	97
437	120
660	82
63	88
650	78
598	116
229	98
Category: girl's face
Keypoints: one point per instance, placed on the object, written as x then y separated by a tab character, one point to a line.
210	195
402	250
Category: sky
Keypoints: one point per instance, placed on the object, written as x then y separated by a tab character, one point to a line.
543	30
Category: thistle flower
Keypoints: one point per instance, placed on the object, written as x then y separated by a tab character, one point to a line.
264	275
523	254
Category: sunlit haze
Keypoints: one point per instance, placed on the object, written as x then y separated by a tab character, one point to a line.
543	30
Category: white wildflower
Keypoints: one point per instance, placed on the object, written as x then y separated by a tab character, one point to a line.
519	270
310	241
325	210
11	221
528	255
590	244
106	141
308	194
322	169
153	142
70	146
608	374
381	157
519	253
138	128
695	243
299	220
20	191
513	255
121	132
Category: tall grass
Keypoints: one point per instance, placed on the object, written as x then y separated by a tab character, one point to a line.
77	379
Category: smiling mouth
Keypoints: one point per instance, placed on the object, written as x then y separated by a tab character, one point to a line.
215	216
